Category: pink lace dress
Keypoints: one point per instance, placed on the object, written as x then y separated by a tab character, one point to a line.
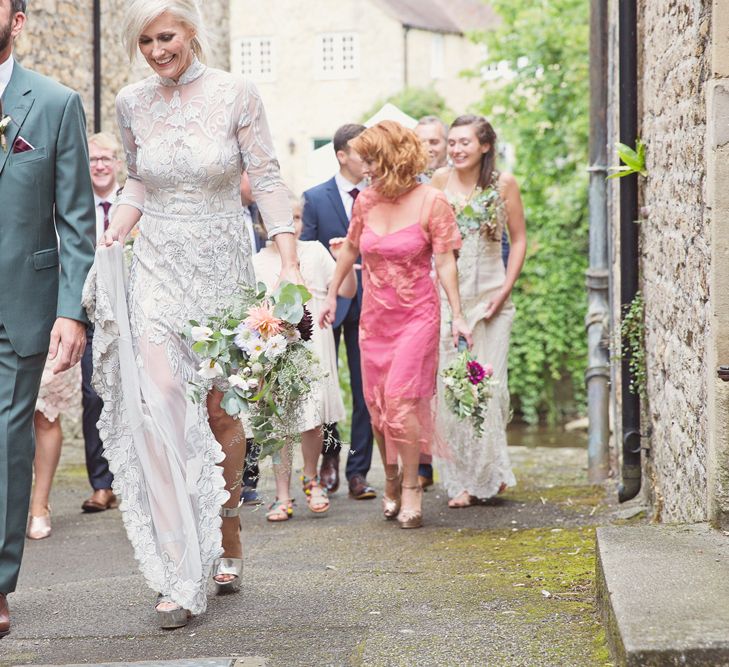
400	317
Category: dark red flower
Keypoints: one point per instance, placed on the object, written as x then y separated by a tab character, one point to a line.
306	325
476	372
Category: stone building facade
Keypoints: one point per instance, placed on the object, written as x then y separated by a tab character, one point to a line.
58	40
683	98
322	63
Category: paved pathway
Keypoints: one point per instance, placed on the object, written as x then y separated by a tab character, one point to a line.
502	584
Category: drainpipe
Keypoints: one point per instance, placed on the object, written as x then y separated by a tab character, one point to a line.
597	375
97	65
628	59
405	77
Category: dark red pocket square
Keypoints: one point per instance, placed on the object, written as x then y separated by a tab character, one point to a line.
21	146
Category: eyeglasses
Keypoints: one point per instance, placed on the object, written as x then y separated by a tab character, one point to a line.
105	161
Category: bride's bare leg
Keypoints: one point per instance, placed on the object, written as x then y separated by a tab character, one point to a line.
229	433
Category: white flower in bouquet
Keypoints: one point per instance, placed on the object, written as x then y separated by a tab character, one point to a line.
275	346
210	369
243	337
252	383
257	368
237	381
201	333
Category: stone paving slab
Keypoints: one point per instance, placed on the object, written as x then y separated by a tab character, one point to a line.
663	594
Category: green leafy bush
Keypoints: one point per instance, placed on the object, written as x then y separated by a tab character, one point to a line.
542	111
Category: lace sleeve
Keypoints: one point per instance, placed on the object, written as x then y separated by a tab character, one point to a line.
442	227
259	160
357	223
133	192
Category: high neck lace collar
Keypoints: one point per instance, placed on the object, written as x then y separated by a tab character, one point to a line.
193	72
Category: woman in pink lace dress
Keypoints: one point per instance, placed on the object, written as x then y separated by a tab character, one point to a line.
399	227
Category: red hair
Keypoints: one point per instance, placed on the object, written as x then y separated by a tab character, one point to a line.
397	155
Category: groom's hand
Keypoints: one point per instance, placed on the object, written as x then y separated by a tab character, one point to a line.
68	338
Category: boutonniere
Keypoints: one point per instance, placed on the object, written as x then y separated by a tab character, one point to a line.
4	123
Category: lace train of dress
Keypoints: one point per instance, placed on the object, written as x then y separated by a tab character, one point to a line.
186	144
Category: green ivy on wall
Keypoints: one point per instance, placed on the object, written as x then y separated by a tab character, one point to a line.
632	337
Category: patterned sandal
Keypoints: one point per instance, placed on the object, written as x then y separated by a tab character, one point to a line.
317	498
280	510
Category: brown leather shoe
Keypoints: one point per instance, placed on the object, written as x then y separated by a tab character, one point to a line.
4	616
101	500
425	482
359	489
329	472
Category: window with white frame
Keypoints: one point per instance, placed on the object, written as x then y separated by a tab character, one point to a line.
437	56
254	57
337	55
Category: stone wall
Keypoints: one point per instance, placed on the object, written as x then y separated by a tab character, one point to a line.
674	66
58	41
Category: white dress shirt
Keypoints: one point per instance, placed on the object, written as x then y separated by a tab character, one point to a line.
100	210
345	187
6	71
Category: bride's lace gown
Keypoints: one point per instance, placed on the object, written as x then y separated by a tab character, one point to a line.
186	144
479	465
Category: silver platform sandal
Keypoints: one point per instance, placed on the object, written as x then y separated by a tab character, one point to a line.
169	619
228	566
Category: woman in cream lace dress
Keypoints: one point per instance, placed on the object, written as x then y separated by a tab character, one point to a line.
486	202
188	132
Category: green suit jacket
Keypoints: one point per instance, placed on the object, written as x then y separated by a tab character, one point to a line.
43	192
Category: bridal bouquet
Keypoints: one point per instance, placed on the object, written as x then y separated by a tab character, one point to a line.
468	388
258	354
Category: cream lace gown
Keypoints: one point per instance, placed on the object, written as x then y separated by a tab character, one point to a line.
478	465
185	145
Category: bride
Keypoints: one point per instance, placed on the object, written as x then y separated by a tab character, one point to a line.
188	132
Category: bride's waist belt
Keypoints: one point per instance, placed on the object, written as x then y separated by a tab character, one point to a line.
215	215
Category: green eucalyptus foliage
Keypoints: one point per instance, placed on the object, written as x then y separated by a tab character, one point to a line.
543	113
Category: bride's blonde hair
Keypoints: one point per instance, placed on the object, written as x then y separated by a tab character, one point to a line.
142	12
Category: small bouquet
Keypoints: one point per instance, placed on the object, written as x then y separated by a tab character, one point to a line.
480	214
258	353
468	388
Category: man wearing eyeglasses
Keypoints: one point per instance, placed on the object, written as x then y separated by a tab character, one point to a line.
104	162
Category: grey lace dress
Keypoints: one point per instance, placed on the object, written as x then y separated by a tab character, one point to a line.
186	144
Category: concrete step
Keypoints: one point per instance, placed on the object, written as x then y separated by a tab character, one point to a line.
663	594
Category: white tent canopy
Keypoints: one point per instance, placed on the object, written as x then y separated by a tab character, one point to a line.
321	164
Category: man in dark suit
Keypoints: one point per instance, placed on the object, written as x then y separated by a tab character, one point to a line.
45	190
326	215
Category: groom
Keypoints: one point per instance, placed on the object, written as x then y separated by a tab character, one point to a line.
45	189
